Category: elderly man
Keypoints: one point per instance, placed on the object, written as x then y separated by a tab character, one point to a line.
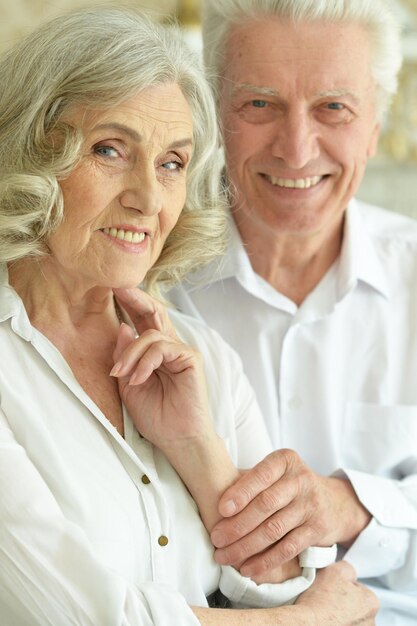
318	292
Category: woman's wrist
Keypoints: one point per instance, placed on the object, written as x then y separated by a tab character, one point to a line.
207	470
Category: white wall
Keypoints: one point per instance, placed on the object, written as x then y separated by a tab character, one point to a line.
20	16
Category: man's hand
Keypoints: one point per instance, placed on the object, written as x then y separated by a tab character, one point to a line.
279	508
336	599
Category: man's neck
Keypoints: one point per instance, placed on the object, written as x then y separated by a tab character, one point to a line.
293	264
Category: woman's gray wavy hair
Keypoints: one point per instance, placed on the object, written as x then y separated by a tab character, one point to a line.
98	58
376	16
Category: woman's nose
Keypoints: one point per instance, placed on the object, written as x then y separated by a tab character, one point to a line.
142	192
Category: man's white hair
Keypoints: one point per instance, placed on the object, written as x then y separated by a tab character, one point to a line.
220	16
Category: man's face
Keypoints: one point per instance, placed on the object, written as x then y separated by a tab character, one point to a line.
298	111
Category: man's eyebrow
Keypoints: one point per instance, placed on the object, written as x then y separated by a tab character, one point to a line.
261	91
180	143
269	91
339	93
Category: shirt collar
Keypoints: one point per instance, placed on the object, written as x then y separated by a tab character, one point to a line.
11	306
358	261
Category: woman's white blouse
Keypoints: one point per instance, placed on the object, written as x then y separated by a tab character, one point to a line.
96	529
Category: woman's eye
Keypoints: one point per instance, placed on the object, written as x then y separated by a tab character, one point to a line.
106	151
173	165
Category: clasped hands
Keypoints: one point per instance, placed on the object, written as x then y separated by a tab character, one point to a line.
273	511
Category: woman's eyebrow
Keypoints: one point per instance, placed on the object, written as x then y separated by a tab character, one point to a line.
182	143
137	137
133	134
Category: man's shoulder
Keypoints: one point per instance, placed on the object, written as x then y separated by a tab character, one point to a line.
388	226
222	364
197	333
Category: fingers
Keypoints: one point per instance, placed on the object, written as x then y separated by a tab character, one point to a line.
144	311
141	357
282	552
252	483
281	538
125	337
262	507
282	508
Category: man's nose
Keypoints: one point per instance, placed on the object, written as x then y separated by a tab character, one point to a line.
142	191
296	141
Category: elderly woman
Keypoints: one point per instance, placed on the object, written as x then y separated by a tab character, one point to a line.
109	483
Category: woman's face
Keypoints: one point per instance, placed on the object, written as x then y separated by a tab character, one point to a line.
125	196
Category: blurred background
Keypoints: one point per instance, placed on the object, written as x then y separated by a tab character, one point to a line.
391	178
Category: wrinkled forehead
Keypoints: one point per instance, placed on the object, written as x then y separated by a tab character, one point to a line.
259	51
159	109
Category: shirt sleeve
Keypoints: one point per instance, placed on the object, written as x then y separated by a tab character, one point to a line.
387	547
245	593
49	575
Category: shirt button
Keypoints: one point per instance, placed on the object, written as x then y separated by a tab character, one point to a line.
163	541
145	480
384	542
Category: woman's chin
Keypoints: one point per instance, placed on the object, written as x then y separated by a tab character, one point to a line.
125	280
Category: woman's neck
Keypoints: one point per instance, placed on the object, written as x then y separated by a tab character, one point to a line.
82	323
51	298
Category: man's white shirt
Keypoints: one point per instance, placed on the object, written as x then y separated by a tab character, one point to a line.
336	379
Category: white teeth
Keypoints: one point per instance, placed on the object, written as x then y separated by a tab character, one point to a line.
295	183
125	235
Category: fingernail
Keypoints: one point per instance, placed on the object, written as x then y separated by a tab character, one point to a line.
228	508
135	379
116	369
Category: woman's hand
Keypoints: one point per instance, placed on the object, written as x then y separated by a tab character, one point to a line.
162	384
145	312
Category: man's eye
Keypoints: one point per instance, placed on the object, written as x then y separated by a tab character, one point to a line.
336	106
259	104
